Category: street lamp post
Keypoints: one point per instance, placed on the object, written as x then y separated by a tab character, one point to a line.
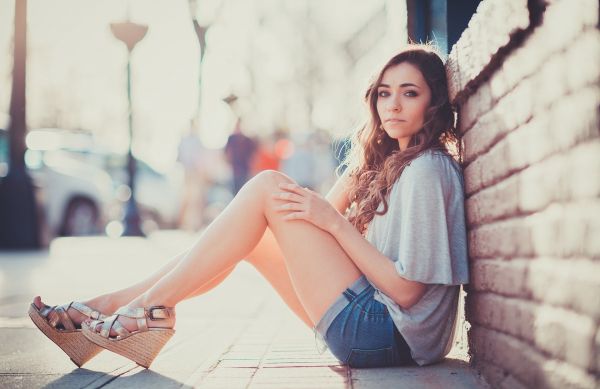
18	208
130	34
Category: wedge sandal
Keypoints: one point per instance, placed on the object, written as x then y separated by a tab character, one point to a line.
141	345
55	323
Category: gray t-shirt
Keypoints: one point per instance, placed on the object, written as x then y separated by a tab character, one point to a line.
424	233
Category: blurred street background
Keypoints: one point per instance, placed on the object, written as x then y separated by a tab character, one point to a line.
143	116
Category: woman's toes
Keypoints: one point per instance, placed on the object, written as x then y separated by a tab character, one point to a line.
37	300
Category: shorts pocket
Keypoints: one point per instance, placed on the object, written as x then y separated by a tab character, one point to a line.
370	358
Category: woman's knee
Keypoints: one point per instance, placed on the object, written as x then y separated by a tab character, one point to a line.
272	178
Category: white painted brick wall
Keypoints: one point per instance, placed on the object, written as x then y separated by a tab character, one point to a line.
530	123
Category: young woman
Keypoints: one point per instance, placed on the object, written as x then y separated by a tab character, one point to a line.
379	282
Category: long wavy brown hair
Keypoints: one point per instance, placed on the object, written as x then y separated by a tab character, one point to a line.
375	161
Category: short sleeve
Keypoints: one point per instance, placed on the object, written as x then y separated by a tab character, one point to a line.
432	244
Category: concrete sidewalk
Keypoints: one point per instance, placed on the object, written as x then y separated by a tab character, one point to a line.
239	335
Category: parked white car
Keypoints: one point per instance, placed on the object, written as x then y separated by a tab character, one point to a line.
158	195
76	196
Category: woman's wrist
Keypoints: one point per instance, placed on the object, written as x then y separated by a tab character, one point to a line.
336	225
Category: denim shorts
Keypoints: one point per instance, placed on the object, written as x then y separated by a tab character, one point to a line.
359	330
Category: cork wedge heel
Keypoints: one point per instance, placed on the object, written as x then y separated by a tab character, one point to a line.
141	346
55	323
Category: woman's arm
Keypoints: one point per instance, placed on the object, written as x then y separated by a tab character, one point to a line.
378	268
305	204
338	195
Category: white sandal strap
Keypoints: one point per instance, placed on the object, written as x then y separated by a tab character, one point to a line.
134	313
106	325
85	310
142	315
119	329
65	320
153	313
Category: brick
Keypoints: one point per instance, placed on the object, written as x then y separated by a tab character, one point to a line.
472	176
506	278
509	315
574	119
498	201
590	244
575	284
561	177
597	351
498	377
564	20
563	375
493	374
565	335
495	165
521	63
504	239
583	164
565	230
541	184
583	57
467	114
550	82
527	365
520	102
506	108
511	382
484	134
499	84
484	96
510	354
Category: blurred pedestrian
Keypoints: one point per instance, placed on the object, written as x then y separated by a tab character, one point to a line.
191	155
239	151
300	164
265	157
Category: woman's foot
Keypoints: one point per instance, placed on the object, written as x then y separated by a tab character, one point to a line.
134	332
98	305
62	325
156	316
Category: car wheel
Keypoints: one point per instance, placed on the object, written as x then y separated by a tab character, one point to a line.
81	218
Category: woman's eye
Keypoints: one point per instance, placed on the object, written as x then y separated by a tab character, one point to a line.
411	93
383	93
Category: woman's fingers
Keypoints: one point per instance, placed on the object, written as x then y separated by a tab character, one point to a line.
290	207
295	215
288	196
295	188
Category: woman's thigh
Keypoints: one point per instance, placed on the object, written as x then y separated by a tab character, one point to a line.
318	267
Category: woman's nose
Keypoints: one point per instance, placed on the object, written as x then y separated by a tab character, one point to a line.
395	105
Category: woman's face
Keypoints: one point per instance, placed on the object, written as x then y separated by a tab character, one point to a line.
403	97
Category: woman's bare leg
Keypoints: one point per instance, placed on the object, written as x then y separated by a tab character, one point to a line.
108	303
269	260
236	232
266	257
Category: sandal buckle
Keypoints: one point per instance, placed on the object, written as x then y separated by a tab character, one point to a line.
150	312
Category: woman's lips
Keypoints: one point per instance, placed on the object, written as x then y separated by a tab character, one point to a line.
394	120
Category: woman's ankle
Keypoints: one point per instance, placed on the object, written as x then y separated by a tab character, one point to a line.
105	304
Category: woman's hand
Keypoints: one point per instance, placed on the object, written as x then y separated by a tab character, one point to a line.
304	204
